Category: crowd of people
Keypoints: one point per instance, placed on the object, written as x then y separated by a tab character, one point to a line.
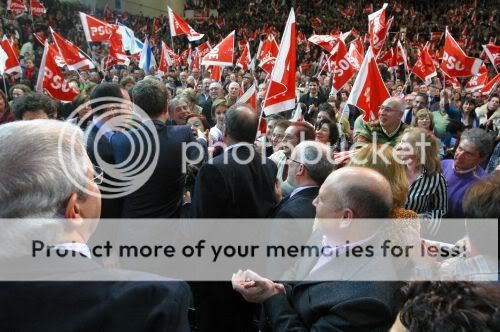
432	154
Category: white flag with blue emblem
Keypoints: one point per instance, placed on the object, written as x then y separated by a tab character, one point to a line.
147	60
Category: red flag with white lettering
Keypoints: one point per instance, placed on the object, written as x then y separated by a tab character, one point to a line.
37	8
12	64
222	54
327	42
354	57
490	86
117	55
378	28
477	82
95	30
204	48
386	58
268	53
455	62
424	67
280	95
493	53
178	26
245	59
216	73
51	79
343	70
16	6
72	55
250	97
368	91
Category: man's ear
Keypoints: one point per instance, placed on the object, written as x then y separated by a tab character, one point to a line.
347	217
73	210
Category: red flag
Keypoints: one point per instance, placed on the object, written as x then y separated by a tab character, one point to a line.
343	69
117	54
95	30
369	90
424	67
493	53
222	54
386	58
51	78
165	60
12	64
436	37
180	27
301	38
262	126
16	6
378	27
72	55
39	38
156	25
250	97
478	81
184	56
280	95
268	53
455	62
216	73
37	8
245	59
354	57
401	56
327	42
490	86
452	81
204	48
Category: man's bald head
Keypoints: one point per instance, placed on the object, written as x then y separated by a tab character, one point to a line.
364	191
241	123
395	103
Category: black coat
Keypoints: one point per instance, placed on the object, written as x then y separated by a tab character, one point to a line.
154	304
161	195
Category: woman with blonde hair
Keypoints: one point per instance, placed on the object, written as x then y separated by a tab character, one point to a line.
190	95
383	161
423	120
428	191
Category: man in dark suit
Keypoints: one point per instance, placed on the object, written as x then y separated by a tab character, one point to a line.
308	167
169	148
322	294
68	204
239	183
105	123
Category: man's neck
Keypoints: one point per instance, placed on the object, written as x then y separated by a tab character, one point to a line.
162	117
312	94
391	129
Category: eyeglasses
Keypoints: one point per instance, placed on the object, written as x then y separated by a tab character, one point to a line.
386	109
98	176
298	162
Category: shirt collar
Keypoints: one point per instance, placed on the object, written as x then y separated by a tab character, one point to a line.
237	145
81	248
103	127
299	189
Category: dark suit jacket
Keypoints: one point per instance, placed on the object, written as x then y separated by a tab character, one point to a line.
334	305
308	101
293	223
155	304
230	190
161	195
111	208
233	190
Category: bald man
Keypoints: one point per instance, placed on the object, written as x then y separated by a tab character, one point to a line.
233	93
388	128
346	195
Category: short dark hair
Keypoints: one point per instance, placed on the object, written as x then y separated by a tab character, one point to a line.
126	80
314	80
334	130
304	127
423	95
450	306
493	96
34	101
151	96
103	90
326	107
241	123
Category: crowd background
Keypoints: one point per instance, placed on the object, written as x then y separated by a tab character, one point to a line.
458	177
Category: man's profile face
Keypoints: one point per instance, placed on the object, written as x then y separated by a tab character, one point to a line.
467	156
390	115
420	103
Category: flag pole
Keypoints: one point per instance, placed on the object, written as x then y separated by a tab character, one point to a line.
5	85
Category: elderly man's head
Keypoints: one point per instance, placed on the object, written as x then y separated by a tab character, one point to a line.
475	146
46	173
350	193
234	89
178	109
309	164
391	113
214	90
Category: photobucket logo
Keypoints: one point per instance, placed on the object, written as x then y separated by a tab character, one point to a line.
135	143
